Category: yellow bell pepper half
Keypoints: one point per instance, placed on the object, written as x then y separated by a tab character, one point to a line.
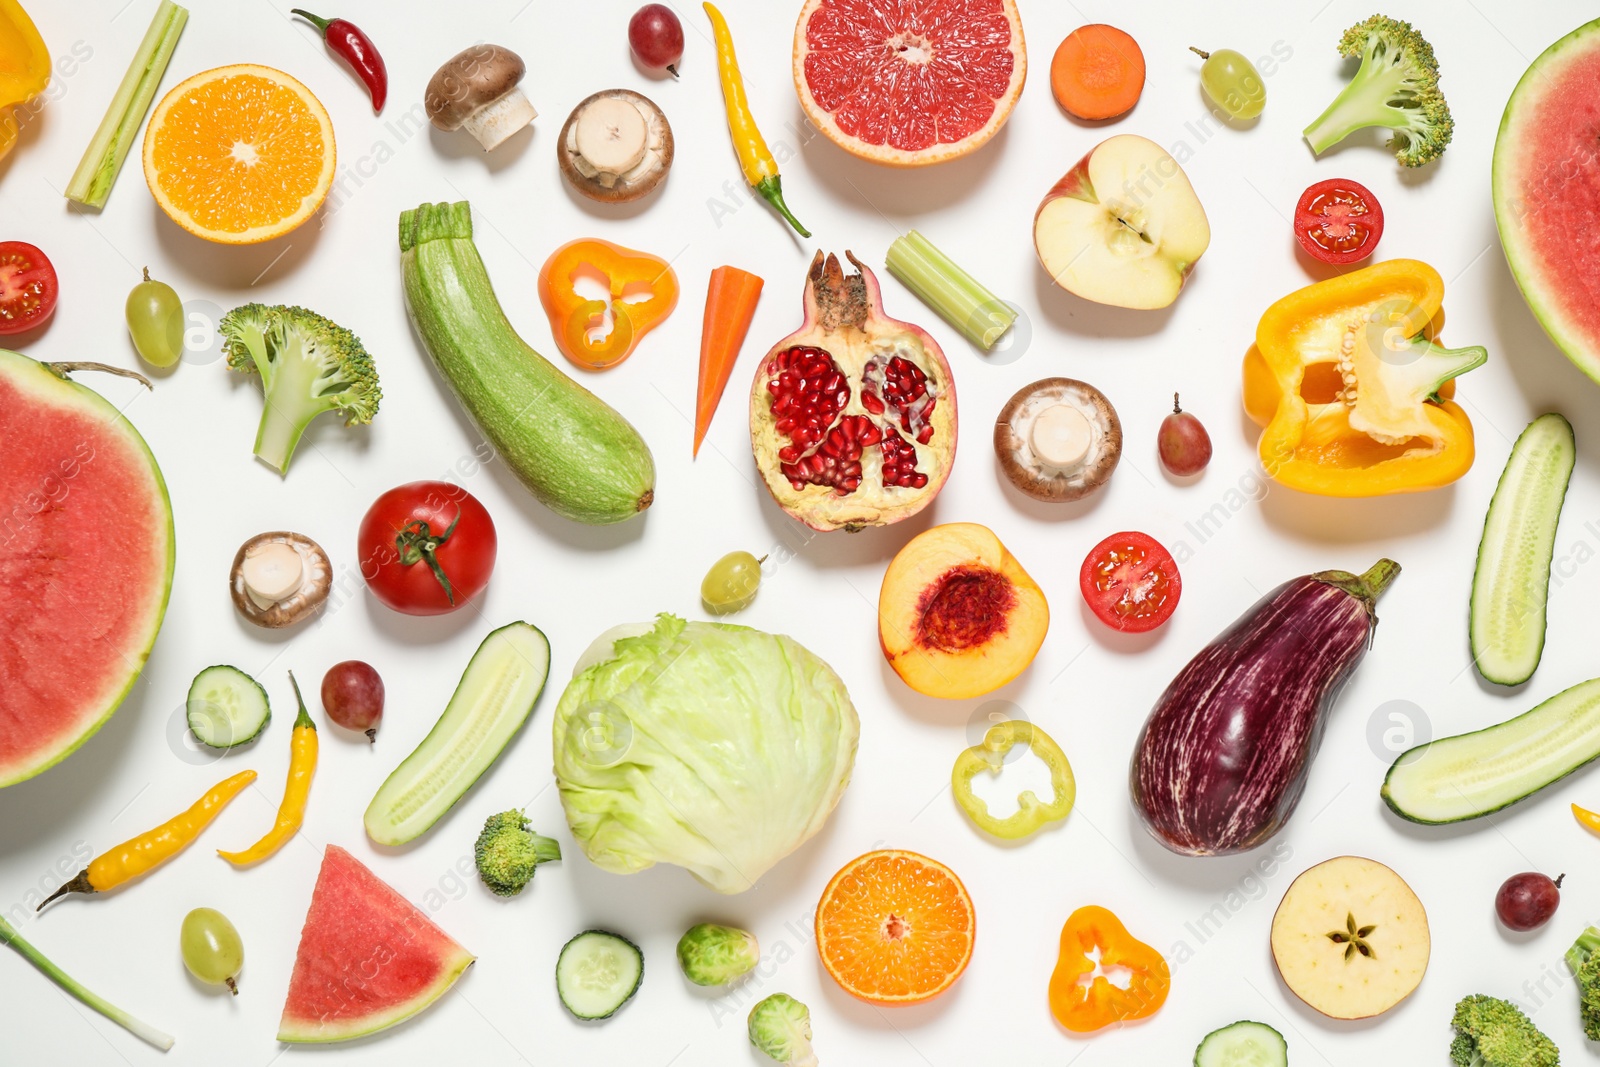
24	67
1352	390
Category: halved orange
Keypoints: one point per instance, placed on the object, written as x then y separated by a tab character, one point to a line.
895	927
239	154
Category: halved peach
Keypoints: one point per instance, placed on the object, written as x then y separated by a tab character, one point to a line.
957	614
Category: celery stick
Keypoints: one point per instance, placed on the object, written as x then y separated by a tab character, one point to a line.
143	1031
956	295
97	172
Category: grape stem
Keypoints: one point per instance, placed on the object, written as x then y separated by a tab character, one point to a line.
1196	51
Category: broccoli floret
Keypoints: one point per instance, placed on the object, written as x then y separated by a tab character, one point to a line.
1397	88
507	853
780	1026
307	365
1583	958
1494	1033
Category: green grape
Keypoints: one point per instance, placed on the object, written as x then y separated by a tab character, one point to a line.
731	583
1232	83
155	321
211	947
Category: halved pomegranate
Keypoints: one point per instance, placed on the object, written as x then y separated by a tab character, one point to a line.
853	416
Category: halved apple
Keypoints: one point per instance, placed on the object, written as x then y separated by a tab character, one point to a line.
1350	938
957	614
1124	227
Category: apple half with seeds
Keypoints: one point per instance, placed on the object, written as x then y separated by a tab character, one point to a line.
1350	938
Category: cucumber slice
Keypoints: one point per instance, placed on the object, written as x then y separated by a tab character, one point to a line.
597	973
1472	775
494	698
1519	540
1243	1044
227	707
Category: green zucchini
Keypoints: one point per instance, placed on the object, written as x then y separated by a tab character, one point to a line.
1243	1044
494	698
571	449
1512	580
1471	775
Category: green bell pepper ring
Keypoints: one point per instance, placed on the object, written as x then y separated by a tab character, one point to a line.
990	756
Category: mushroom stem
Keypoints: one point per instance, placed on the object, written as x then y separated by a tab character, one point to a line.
497	120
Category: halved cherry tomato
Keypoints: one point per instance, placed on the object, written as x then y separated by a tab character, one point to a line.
426	548
1130	582
28	287
1338	221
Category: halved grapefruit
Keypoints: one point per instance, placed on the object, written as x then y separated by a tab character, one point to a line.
86	553
1547	192
909	82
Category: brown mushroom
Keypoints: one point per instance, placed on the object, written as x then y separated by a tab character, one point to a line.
616	146
280	578
1058	439
477	89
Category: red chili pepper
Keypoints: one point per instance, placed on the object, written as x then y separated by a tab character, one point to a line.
356	49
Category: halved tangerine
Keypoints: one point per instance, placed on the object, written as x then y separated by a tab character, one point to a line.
239	154
909	82
895	927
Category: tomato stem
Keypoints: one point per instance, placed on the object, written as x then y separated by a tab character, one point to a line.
417	543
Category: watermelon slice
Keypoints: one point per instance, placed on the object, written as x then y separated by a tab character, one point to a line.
368	957
1547	192
86	554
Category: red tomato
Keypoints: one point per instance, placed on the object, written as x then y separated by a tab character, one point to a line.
1130	582
1338	221
28	287
426	548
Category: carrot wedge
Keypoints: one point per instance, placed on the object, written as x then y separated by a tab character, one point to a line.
730	305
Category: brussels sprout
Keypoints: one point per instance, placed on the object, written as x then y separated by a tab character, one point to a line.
715	955
780	1026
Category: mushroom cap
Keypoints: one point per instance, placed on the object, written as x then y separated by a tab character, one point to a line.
468	80
315	584
1014	449
621	192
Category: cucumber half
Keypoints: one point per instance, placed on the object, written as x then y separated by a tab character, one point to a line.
227	707
597	973
1512	580
1243	1044
494	698
1472	775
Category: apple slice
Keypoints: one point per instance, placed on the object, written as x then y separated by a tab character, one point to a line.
1123	227
1350	938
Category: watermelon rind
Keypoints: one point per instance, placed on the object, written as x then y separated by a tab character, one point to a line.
30	376
1533	276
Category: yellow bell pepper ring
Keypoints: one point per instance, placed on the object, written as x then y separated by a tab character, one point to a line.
1353	390
642	290
990	755
24	68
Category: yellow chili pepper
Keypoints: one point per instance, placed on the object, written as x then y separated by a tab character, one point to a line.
138	855
755	159
1587	819
292	812
24	67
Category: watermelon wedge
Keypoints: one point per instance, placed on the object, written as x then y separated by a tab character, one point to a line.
368	957
86	554
1547	192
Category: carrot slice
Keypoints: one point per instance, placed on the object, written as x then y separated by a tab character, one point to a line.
1097	72
730	305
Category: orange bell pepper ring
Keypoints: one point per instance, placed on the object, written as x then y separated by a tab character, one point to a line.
577	321
1083	1001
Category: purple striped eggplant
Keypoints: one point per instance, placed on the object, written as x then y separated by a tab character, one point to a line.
1224	756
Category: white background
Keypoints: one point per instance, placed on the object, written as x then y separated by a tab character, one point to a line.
1089	688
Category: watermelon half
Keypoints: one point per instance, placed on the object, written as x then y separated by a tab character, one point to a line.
1547	192
368	957
86	554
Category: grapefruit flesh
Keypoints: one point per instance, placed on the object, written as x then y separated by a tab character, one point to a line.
86	554
1547	192
909	82
368	957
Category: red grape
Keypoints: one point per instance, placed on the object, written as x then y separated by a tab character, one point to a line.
1183	443
1527	900
352	695
656	37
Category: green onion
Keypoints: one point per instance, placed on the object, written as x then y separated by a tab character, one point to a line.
143	1031
956	295
97	172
